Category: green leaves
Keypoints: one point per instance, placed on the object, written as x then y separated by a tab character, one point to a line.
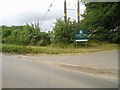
64	32
100	19
24	35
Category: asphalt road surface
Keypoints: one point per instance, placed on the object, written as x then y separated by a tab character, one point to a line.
19	72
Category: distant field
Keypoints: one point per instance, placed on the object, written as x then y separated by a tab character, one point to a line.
57	50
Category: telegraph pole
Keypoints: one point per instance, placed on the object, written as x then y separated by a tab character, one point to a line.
65	11
78	12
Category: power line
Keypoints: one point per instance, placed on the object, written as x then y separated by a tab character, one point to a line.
53	13
47	12
58	5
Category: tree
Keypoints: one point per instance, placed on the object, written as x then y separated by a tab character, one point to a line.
25	35
102	20
64	31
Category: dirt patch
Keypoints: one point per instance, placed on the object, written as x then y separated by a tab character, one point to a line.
87	69
80	68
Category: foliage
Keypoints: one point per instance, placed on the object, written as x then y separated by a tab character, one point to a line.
102	20
93	47
25	35
64	31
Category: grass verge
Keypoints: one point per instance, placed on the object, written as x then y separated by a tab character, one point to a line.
57	50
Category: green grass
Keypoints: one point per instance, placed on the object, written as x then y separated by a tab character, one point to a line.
92	47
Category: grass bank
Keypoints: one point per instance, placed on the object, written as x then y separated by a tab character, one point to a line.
57	50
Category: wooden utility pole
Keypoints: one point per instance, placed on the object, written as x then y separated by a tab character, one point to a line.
65	11
78	12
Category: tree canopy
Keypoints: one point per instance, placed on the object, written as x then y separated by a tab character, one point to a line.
102	20
25	35
65	31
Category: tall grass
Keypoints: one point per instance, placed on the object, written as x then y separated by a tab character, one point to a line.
91	47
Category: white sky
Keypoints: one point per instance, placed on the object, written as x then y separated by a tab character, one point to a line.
18	12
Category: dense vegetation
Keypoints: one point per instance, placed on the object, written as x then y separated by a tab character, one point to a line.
25	35
101	20
65	31
93	47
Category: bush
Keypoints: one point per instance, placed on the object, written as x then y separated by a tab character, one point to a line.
24	35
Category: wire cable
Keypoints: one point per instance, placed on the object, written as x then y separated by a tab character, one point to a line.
47	12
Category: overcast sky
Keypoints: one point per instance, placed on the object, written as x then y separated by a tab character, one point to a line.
18	12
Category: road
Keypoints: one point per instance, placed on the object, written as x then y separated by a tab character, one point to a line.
20	71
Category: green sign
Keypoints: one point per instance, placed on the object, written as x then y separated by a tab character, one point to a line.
81	35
